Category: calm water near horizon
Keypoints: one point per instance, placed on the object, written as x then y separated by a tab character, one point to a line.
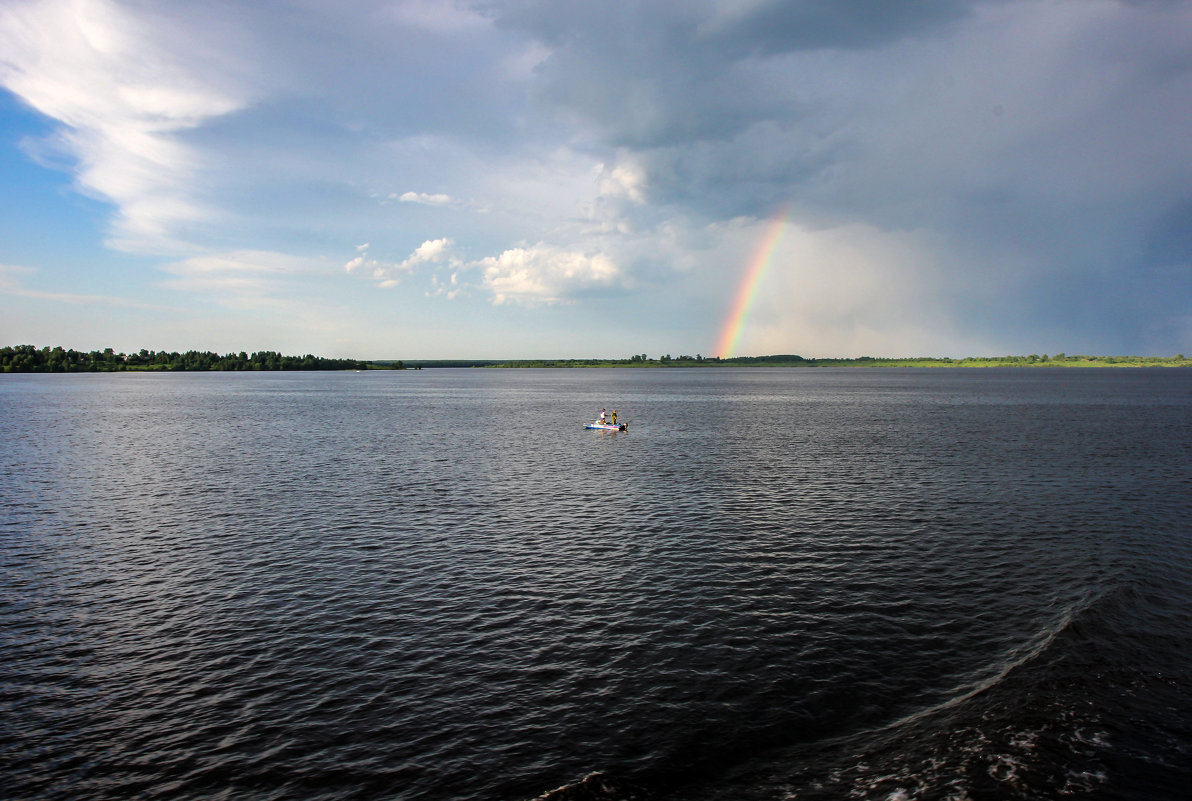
432	585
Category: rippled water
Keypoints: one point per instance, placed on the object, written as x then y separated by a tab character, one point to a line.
436	585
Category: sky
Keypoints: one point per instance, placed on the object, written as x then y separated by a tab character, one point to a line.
426	179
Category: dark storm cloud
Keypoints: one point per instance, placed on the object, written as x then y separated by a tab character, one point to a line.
824	24
1047	142
653	74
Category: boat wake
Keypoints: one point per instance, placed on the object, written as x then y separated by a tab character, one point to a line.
597	786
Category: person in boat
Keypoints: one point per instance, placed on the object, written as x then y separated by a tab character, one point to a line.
614	416
602	416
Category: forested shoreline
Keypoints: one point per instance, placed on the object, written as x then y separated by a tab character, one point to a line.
30	359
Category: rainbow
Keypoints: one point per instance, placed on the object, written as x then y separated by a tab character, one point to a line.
734	321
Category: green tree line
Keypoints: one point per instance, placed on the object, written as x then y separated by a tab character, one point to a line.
792	360
30	359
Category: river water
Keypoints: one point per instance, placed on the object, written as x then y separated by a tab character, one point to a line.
429	585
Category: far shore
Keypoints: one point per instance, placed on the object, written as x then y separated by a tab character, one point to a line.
1059	360
30	359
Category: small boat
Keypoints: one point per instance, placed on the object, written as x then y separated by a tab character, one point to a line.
608	426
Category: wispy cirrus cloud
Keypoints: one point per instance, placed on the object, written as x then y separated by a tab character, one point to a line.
13	280
240	279
110	78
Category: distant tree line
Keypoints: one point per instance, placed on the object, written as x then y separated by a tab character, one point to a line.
793	360
30	359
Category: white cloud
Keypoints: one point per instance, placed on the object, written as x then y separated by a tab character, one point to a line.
449	288
389	274
432	250
113	82
241	261
425	199
10	273
241	279
12	283
545	274
624	180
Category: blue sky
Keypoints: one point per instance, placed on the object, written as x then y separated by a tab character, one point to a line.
499	179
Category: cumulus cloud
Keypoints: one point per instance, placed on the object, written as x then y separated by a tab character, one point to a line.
544	274
624	179
389	274
432	250
424	198
449	287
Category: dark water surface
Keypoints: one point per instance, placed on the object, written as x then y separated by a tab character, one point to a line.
820	584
